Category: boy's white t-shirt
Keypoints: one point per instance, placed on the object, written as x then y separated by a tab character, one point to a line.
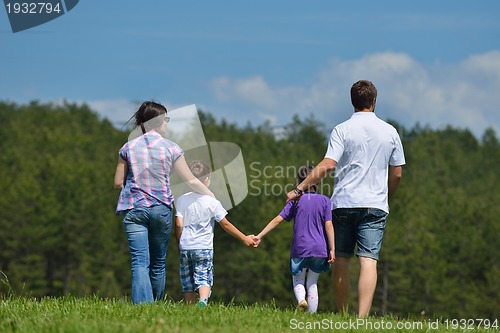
199	213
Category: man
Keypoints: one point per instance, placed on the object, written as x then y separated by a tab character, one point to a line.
367	155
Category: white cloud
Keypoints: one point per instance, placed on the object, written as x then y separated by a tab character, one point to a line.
118	111
461	94
487	63
254	90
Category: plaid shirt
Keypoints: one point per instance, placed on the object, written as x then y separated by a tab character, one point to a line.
150	159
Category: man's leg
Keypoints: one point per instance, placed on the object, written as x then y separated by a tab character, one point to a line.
341	283
370	233
366	285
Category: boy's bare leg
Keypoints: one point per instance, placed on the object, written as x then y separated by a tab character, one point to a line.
204	292
190	297
367	284
341	283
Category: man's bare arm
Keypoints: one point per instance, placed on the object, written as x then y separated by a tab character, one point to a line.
395	174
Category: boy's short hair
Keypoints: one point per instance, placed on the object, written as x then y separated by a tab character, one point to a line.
199	169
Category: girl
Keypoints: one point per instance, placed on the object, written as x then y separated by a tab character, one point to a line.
313	247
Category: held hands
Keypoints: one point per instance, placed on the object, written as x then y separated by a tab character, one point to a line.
251	241
256	240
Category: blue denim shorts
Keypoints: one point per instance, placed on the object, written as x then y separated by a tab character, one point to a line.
317	265
363	227
196	269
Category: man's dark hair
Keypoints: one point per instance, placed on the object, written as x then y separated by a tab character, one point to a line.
363	93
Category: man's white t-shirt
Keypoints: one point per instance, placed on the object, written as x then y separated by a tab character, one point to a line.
199	213
363	147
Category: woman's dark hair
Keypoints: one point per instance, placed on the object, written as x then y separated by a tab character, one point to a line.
302	174
148	111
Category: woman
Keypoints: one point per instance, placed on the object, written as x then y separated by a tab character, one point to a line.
143	175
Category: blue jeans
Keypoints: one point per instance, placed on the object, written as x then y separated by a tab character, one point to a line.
363	227
317	265
148	231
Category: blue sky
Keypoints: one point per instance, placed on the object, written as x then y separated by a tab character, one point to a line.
433	62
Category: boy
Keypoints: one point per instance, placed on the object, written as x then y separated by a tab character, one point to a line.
194	228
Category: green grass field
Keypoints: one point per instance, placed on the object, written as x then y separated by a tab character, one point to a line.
69	314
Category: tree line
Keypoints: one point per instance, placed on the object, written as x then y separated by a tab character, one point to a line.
59	234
